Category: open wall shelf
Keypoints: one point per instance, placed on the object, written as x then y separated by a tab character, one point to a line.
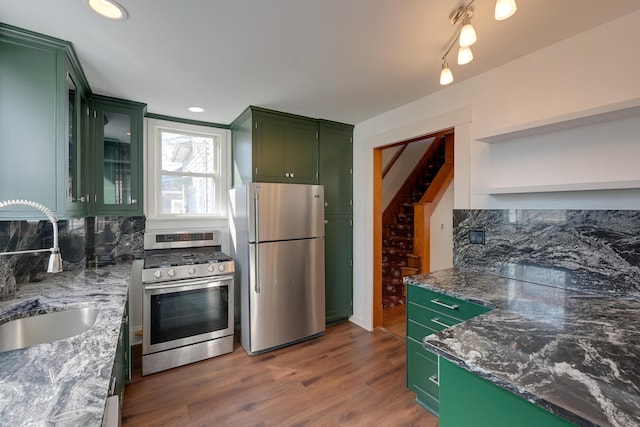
553	188
611	112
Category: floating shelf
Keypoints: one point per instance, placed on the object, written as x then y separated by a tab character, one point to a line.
555	188
617	111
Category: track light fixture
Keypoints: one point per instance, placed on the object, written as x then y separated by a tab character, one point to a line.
466	34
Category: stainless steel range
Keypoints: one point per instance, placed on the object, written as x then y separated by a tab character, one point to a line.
187	303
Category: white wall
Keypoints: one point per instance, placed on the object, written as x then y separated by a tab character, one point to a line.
401	168
591	70
441	239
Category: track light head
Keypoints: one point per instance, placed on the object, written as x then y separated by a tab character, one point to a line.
446	76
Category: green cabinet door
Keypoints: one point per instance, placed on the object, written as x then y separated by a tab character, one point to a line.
121	370
423	375
338	268
117	155
301	154
270	148
336	165
335	150
467	400
32	114
78	139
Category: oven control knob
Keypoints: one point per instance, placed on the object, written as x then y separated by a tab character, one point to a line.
192	270
211	268
221	267
158	274
171	273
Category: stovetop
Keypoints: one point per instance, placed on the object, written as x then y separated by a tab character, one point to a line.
172	258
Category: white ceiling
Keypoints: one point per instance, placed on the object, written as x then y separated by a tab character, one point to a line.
342	60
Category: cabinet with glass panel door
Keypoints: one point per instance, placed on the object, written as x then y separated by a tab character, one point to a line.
117	156
42	87
78	138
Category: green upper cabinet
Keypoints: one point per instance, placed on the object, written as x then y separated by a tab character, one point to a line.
269	146
42	88
336	164
117	128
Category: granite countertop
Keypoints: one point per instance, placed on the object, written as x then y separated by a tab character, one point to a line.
574	354
64	383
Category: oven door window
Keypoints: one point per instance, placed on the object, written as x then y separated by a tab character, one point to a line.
185	314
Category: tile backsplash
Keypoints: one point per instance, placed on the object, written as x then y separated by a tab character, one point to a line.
83	243
589	250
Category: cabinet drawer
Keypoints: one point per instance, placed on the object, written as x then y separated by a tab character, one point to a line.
417	330
416	345
432	319
445	304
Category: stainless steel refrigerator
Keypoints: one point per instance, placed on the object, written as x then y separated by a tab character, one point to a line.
277	233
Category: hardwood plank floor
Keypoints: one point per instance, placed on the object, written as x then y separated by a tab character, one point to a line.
394	320
348	377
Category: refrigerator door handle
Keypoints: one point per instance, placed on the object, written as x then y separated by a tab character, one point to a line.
256	226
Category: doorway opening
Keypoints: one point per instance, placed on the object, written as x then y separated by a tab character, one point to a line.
410	179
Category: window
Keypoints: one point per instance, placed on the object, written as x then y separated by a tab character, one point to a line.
188	170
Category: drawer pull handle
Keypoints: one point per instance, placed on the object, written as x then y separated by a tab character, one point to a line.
434	380
438	322
450	307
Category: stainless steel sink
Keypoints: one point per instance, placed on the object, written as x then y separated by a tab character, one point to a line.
43	328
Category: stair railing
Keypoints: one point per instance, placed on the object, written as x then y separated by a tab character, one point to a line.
400	194
423	210
394	159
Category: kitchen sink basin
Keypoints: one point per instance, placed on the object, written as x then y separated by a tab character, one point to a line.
43	328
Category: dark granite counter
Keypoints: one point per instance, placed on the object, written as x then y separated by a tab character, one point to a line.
66	382
572	353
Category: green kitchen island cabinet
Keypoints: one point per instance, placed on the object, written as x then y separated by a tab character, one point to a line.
429	312
269	146
467	400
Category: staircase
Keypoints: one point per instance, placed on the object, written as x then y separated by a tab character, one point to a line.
398	258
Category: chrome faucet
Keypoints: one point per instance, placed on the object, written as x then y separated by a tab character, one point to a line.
55	260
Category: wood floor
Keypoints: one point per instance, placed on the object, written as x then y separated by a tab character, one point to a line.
394	320
348	377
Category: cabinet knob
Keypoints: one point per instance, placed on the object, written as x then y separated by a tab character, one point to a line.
292	176
134	201
286	175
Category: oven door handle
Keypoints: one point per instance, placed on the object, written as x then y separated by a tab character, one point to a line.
183	283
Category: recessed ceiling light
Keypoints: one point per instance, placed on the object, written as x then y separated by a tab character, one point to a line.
196	109
109	9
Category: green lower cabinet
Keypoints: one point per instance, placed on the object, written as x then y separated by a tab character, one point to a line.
423	375
467	400
429	312
338	268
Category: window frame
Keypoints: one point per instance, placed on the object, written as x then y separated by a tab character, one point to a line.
154	170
